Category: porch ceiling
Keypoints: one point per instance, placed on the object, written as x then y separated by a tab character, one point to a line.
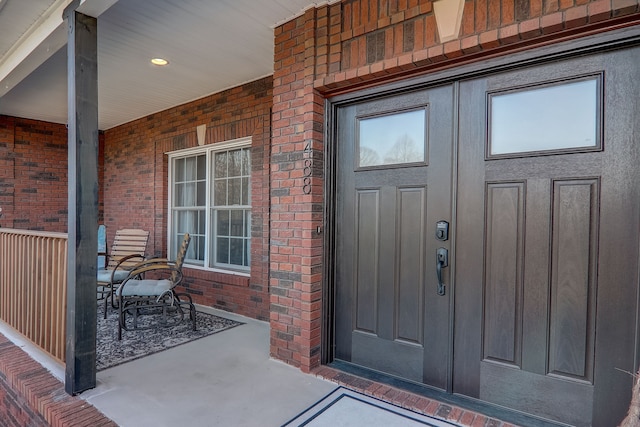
211	45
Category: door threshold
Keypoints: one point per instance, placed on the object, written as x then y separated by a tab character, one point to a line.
464	402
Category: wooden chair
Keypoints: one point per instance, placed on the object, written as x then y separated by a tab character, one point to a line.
139	295
128	249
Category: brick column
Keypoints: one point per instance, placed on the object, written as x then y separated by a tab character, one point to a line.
296	197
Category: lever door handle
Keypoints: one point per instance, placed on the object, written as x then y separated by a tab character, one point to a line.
442	261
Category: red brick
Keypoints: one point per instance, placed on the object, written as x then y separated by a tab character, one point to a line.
452	49
530	28
489	39
551	23
599	10
575	16
430	31
470	44
426	7
550	6
507	12
347	20
508	35
493	13
479	421
480	15
468	19
535	8
418	36
467	418
421	57
455	413
436	53
565	4
624	7
405	62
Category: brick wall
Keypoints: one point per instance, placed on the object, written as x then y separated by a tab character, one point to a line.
14	409
365	41
33	174
351	44
135	184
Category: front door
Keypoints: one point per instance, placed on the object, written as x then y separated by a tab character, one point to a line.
393	186
536	172
547	238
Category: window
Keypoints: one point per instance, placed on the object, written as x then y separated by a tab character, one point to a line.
392	139
210	198
553	118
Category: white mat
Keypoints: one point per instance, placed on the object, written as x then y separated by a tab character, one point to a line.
346	408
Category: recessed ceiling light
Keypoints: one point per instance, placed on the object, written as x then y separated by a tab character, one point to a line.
159	61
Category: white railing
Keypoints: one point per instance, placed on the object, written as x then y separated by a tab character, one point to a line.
33	286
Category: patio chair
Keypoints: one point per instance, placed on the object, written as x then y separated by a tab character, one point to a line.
128	249
139	295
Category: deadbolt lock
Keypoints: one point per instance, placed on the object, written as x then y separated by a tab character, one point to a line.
442	231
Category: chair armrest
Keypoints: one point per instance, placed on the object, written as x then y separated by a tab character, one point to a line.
152	261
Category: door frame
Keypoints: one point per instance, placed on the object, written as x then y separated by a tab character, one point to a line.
447	73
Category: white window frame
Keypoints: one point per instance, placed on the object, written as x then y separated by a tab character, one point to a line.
209	151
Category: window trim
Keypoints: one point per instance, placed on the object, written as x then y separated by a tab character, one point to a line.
245	142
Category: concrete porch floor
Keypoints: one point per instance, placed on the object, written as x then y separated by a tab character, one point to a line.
228	379
225	379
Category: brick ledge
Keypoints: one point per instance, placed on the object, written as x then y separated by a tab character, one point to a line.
44	393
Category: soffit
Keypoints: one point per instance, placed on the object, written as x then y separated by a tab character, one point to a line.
211	46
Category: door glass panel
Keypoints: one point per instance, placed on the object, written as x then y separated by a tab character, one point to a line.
555	117
392	139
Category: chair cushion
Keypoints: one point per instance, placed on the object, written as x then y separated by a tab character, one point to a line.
104	275
147	287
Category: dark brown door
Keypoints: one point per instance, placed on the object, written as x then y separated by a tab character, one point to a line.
393	185
547	238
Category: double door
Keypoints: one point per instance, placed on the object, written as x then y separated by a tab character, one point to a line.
487	237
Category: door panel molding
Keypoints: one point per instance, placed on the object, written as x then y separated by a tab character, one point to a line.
574	249
504	263
367	252
410	243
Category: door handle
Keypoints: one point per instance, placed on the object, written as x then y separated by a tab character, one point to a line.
442	261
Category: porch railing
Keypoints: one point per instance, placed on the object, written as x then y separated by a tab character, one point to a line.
33	286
